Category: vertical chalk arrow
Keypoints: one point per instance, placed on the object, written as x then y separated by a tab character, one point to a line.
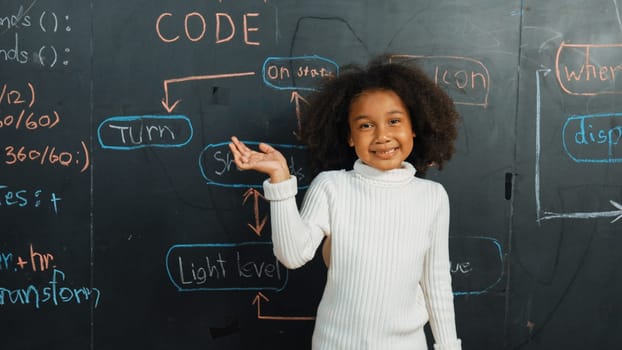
259	224
296	98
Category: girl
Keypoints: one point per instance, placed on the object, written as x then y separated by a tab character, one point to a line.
386	228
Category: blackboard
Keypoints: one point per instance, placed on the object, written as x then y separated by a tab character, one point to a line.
125	226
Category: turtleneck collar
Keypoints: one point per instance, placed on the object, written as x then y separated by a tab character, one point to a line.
396	176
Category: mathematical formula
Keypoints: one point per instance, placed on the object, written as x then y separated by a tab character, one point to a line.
48	156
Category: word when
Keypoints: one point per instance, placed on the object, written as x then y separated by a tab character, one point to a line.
47	155
38	262
53	293
29	121
195	27
594	72
23	198
588	71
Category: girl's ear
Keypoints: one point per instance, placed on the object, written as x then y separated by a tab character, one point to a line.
350	142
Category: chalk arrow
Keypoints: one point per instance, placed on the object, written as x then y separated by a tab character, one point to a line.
296	98
257	301
588	215
259	224
170	106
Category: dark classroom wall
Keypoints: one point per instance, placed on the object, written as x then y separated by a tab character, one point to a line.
126	227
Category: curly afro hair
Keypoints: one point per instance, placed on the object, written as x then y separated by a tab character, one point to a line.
324	123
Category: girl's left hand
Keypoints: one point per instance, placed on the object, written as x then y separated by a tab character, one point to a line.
268	160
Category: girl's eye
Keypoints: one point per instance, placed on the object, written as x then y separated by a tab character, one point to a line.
365	126
394	121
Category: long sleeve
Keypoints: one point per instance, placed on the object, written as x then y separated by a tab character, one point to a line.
389	256
296	237
436	279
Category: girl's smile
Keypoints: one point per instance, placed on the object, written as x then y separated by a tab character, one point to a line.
380	129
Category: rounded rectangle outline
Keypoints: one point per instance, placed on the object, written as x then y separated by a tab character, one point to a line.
138	117
293	58
253	143
587	116
224	245
500	251
587	46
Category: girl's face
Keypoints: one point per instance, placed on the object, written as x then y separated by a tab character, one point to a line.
380	129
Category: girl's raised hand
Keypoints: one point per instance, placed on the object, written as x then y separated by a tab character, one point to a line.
268	160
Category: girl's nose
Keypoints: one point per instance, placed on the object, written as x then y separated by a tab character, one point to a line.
382	135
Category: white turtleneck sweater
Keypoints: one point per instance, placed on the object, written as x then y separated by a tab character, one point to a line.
389	232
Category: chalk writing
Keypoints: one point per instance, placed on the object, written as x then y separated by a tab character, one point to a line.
37	261
476	264
168	27
226	266
11	95
593	138
589	69
465	79
460	267
29	120
24	118
46	54
52	293
18	20
6	260
24	198
297	73
133	132
215	165
48	155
